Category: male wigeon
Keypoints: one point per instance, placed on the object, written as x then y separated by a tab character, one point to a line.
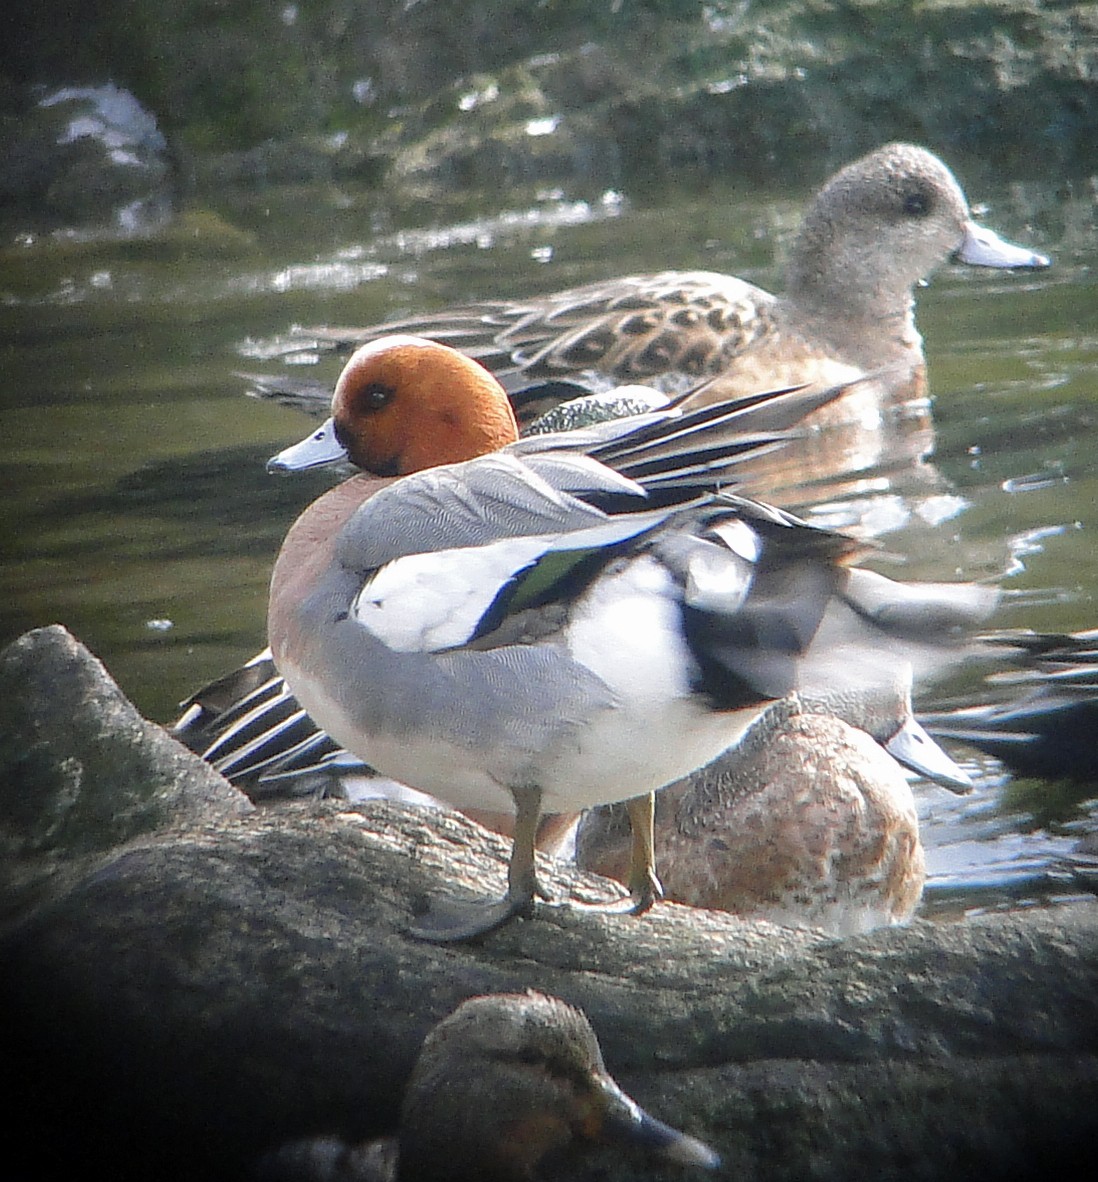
526	630
499	1085
874	231
252	729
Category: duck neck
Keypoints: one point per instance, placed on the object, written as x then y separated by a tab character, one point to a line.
869	323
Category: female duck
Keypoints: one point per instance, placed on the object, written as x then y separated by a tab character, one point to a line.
809	821
500	1085
525	629
874	231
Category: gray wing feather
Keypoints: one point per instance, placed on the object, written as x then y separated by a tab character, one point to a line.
474	503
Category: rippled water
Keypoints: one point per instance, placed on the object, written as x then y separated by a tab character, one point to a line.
139	513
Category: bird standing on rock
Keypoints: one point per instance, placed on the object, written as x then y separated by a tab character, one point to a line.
523	629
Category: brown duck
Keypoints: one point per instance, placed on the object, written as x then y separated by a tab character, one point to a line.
876	229
502	1087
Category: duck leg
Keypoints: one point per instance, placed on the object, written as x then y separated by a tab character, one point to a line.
450	921
645	887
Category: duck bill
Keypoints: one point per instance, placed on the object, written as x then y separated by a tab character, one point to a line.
622	1121
913	748
322	447
982	247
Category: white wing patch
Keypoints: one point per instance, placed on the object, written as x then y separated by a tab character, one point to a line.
717	581
429	602
740	538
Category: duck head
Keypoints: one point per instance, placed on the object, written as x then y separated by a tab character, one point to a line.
403	403
507	1080
892	217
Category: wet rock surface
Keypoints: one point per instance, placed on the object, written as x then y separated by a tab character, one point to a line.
191	981
90	159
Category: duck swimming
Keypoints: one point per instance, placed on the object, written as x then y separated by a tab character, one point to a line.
533	629
501	1085
875	230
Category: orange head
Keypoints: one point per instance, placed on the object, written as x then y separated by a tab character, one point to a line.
403	404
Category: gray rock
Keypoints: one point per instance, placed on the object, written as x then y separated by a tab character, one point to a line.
89	159
202	981
83	772
432	99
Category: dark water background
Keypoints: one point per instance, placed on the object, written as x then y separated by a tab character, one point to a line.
138	513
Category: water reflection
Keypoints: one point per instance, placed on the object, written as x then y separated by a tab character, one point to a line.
136	492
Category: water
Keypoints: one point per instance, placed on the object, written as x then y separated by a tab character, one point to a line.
139	513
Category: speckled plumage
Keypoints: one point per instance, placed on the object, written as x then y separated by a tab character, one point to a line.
876	229
808	823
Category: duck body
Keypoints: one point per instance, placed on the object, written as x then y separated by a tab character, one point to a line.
524	628
252	729
593	696
875	230
809	821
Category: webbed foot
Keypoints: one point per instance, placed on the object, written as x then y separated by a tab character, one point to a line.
452	921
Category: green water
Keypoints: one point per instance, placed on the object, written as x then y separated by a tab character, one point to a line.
138	512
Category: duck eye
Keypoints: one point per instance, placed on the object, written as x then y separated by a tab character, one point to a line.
916	205
376	395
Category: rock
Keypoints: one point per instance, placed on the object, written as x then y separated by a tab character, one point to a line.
90	159
83	772
203	981
426	99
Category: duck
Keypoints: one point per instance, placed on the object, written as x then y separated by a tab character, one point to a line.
875	230
502	1084
533	630
249	726
809	822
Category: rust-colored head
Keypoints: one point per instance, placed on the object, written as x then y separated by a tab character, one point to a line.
403	404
